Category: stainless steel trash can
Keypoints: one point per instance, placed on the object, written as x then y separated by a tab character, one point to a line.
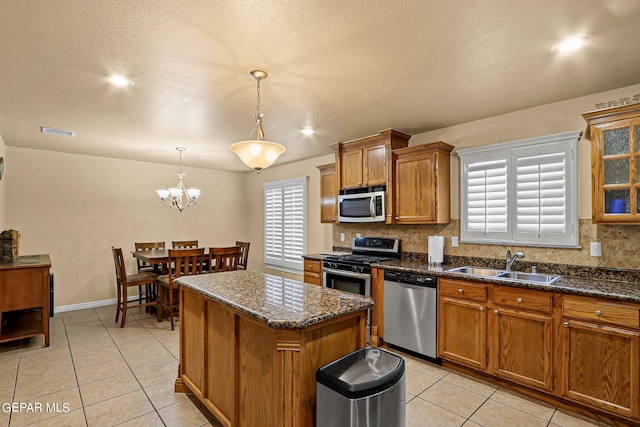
363	389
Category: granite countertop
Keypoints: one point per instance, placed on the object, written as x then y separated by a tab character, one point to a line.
25	261
280	303
322	255
595	287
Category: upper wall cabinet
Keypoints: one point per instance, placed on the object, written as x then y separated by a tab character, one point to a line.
366	162
421	184
615	161
328	194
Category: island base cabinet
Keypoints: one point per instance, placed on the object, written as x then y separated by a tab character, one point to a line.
601	367
248	374
520	347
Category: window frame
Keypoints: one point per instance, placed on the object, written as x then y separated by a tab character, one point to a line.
289	263
509	152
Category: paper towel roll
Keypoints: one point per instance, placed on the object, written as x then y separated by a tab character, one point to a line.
436	250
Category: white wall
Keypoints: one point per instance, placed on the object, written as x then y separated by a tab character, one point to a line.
319	236
3	186
75	207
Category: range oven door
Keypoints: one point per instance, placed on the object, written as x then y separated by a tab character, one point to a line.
348	281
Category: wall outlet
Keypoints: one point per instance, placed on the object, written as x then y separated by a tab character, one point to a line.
596	249
358	235
342	237
454	241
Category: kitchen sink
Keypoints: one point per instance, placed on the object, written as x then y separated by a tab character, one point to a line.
528	277
477	271
506	275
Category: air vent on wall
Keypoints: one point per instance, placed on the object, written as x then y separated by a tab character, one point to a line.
59	132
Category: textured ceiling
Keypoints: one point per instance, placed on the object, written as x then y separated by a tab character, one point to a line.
345	68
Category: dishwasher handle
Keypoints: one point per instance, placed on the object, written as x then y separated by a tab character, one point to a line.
411	279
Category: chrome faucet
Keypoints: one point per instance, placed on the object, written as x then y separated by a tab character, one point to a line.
511	259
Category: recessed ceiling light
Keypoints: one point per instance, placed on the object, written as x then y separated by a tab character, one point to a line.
58	132
307	131
571	44
120	80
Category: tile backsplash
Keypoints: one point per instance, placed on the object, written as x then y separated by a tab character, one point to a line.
620	243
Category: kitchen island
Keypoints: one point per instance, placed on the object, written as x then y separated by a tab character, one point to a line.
250	344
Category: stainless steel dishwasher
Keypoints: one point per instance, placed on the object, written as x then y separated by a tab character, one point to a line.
410	312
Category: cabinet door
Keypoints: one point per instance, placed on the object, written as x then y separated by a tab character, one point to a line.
520	347
352	169
601	366
415	193
23	288
616	151
328	195
374	166
462	332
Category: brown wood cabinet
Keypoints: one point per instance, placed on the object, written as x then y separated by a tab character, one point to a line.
24	298
328	194
601	347
313	271
615	163
462	322
421	184
377	313
520	334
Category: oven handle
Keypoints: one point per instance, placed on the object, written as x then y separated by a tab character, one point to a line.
346	273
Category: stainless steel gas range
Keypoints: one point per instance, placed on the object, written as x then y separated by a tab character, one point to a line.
352	272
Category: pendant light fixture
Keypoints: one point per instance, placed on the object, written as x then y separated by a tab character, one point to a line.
258	153
178	197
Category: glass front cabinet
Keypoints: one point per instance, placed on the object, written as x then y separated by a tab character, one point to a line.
615	163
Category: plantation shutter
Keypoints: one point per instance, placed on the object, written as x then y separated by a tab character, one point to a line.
521	192
542	196
285	223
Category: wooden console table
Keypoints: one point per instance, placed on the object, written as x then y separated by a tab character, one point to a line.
24	298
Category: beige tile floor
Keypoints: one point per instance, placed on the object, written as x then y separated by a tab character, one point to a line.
96	374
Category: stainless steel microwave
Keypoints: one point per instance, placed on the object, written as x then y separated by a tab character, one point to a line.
362	205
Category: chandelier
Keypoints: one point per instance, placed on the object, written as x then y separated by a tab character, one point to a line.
258	153
178	197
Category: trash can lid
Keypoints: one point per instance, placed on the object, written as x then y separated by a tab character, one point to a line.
362	373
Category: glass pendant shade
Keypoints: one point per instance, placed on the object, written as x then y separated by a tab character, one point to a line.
257	154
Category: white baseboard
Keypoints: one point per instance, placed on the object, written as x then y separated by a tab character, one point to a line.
85	305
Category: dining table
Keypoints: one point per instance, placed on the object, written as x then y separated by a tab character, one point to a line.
154	257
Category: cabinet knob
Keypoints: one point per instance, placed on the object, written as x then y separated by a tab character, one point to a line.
460	291
366	183
359	184
519	300
598	313
481	308
565	324
495	311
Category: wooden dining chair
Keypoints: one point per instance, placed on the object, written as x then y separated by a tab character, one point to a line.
184	244
125	281
182	262
244	254
224	259
147	246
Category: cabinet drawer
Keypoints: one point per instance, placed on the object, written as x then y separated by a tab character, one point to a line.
615	313
313	278
522	299
312	266
464	290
